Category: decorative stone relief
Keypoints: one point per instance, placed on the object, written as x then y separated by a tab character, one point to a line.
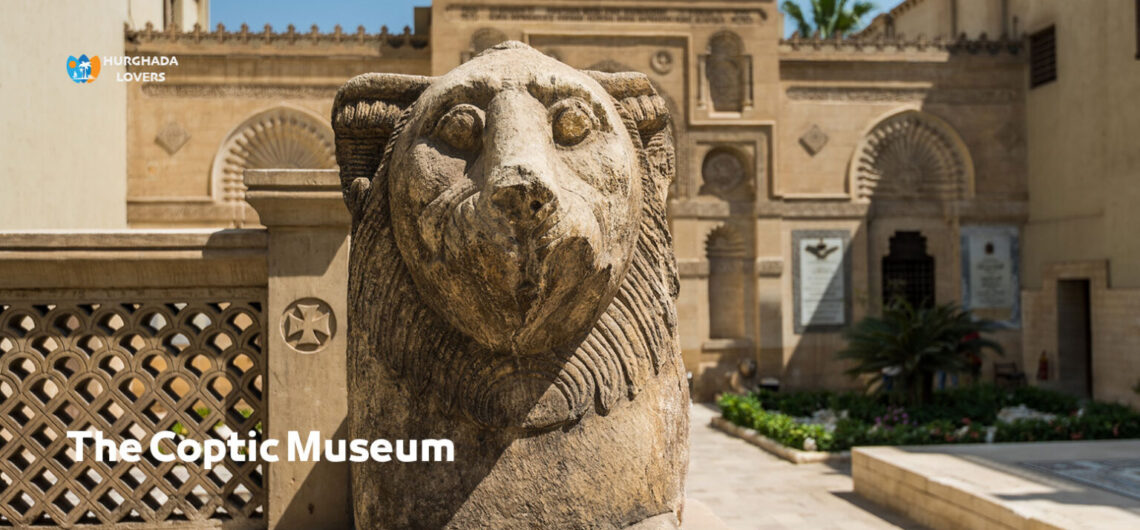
521	307
1008	137
278	138
482	39
813	140
727	74
172	137
545	12
308	325
957	96
725	175
246	38
912	155
661	62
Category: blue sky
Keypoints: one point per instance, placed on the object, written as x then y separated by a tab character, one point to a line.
351	13
324	13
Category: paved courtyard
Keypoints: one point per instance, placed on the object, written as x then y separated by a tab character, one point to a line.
749	488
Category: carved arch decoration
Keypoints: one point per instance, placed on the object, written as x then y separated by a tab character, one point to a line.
726	83
725	241
277	138
912	155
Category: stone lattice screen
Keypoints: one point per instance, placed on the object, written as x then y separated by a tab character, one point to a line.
129	368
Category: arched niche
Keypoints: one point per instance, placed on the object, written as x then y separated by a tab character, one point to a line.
277	138
912	155
728	73
727	254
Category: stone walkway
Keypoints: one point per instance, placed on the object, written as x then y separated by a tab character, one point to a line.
749	488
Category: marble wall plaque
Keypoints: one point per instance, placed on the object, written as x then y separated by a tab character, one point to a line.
821	279
990	280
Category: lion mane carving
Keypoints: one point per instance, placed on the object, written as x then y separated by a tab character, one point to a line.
511	288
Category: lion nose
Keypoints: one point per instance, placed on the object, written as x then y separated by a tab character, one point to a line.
523	197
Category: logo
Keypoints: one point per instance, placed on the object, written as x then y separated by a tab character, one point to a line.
83	70
820	250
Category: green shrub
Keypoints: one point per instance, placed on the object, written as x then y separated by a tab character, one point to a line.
951	416
802	403
1043	400
747	411
978	404
914	343
859	406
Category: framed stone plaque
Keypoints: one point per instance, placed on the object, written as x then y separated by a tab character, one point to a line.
990	281
821	279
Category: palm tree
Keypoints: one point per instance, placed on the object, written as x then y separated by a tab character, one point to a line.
831	18
910	344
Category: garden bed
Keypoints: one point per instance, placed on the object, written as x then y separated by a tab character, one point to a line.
829	422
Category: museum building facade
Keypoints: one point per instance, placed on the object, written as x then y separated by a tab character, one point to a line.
816	179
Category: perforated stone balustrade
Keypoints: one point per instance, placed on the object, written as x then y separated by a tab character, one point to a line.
130	369
135	332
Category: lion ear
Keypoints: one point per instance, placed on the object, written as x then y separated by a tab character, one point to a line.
364	114
637	95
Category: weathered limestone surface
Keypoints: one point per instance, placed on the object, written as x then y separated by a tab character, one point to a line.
511	288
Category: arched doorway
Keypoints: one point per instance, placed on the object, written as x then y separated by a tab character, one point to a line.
915	171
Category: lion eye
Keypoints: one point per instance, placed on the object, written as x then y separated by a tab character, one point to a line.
572	121
461	127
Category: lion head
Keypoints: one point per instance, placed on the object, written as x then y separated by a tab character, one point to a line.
516	199
509	245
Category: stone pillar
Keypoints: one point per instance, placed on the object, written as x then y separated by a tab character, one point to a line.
305	328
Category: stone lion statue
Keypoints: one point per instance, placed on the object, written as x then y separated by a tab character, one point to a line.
512	288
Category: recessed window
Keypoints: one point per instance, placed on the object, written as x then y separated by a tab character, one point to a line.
1042	57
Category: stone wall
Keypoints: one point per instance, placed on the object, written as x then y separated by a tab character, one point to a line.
1113	337
1083	169
239	98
